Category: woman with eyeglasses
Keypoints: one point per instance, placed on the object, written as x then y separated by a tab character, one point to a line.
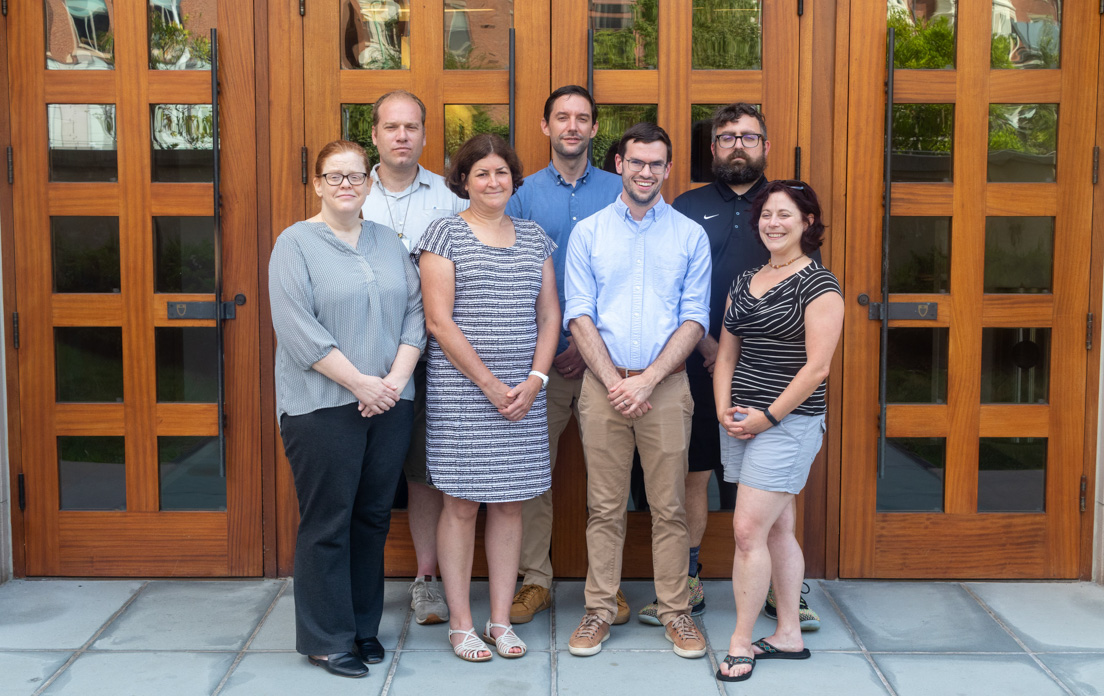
347	311
781	326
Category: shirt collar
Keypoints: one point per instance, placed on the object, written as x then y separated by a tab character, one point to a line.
422	179
728	194
557	178
656	212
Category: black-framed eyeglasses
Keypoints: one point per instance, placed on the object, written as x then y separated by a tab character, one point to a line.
636	165
355	178
727	141
795	184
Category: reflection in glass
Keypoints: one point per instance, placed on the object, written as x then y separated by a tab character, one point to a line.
376	34
1012	474
1019	254
182	137
919	254
477	34
727	35
179	34
701	138
83	144
190	476
613	120
1033	43
184	254
922	135
924	34
85	253
88	363
1023	142
912	479
79	34
91	472
187	360
1015	366
462	121
916	372
356	125
626	34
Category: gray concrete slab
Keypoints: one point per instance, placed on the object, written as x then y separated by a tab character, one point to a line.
1083	673
825	674
919	617
966	675
271	674
633	672
191	615
21	673
142	674
58	614
435	637
424	672
1049	616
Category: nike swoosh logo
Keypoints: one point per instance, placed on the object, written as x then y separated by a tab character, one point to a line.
710	217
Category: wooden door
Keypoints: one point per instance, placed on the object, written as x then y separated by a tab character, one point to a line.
991	208
672	62
113	190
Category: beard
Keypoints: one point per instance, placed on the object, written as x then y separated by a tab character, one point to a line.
727	172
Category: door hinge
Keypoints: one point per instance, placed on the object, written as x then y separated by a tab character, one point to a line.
1088	331
801	7
1096	160
15	330
4	7
303	164
1084	487
797	163
11	167
303	8
22	494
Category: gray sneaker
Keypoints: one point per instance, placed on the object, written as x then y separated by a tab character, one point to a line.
426	601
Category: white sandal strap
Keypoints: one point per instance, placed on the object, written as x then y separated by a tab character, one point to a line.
470	647
505	642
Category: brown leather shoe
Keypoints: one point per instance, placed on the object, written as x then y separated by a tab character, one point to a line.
588	637
687	640
623	611
529	600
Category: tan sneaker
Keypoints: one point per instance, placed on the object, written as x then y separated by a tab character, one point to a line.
685	636
530	600
623	611
588	637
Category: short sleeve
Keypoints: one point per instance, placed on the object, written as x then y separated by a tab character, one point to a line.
437	239
819	282
545	245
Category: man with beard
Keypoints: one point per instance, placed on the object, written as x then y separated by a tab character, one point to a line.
637	278
569	189
739	148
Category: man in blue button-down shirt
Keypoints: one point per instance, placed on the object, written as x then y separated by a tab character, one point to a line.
637	303
568	190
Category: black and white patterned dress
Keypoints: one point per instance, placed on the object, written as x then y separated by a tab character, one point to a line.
472	452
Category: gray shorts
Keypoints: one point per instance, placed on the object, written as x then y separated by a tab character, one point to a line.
777	459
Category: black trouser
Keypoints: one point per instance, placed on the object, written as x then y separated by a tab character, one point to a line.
346	468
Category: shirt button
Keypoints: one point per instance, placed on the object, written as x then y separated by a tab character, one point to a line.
638	262
636	343
737	213
574	218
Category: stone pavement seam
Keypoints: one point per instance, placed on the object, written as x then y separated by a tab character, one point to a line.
84	648
554	659
858	640
249	640
711	653
1016	638
398	653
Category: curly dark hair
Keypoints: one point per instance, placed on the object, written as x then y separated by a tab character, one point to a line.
476	148
805	198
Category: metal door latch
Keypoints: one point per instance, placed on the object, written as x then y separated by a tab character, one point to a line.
915	311
203	310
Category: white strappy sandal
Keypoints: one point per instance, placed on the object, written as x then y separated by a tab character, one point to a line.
469	648
505	642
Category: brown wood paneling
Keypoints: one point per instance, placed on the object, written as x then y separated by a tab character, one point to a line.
199	420
80	86
1027	86
922	199
724	86
917	420
568	63
1014	420
83	199
193	547
89	419
532	39
908	552
626	86
87	310
1017	310
185	86
923	86
186	199
1021	199
674	86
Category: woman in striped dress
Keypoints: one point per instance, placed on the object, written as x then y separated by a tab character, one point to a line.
493	317
782	323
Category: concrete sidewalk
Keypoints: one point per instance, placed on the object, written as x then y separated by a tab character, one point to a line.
236	638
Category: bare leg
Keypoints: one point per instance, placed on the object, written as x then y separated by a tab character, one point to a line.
456	532
697	505
787	572
756	512
502	540
423	510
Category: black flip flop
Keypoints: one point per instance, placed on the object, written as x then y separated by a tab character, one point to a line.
732	661
772	653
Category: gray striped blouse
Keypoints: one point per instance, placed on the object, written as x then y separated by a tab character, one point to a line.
324	294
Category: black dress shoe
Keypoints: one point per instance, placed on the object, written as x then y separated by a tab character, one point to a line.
343	664
370	649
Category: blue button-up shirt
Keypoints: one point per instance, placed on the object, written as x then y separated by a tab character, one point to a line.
557	206
638	281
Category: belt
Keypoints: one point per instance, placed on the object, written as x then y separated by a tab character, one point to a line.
624	372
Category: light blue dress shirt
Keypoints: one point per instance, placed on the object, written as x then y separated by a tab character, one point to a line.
557	207
638	281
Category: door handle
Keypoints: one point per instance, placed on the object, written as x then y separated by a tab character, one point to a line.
915	311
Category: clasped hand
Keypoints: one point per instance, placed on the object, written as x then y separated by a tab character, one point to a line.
630	396
514	403
753	423
375	395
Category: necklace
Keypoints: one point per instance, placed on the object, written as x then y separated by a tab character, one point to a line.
783	265
406	213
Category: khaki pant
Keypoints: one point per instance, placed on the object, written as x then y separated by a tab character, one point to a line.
662	435
562	395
